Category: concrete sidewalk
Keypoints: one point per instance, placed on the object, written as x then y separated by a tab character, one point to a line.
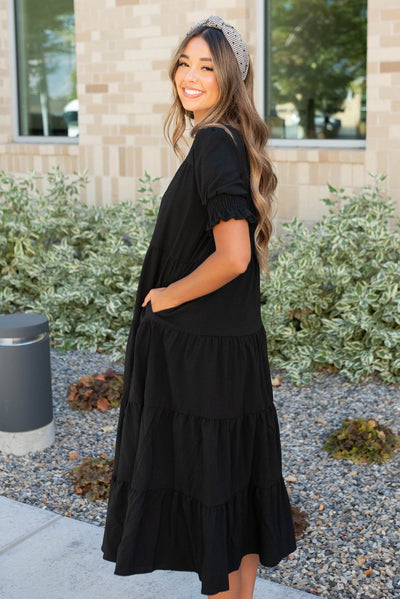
47	556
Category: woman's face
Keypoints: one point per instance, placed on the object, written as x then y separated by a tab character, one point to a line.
195	80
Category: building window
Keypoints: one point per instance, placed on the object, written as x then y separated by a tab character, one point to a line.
46	68
316	69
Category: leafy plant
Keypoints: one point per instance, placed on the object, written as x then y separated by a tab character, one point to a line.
332	301
79	265
102	391
92	477
299	521
362	441
333	298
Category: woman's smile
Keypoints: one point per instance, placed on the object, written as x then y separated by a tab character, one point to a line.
192	93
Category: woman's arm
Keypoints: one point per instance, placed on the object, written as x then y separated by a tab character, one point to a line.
230	259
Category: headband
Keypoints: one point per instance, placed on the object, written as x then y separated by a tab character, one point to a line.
233	38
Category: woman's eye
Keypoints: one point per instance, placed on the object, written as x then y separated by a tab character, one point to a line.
182	63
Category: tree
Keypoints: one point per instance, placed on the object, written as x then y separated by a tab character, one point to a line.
317	50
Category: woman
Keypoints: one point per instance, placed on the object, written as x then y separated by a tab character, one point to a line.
197	483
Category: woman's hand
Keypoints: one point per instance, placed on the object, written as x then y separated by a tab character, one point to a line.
230	259
159	298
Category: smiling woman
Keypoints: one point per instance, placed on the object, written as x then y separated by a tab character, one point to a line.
197	481
195	80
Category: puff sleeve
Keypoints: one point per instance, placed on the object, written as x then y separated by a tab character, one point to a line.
222	176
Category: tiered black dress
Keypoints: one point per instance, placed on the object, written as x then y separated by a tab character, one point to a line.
198	481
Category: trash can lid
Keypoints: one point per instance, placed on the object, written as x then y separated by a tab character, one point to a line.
22	324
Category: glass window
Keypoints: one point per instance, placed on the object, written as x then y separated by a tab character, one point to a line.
316	68
46	68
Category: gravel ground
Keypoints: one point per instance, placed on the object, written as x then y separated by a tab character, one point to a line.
352	545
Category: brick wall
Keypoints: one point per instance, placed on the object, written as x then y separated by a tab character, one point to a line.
123	52
303	177
124	49
383	88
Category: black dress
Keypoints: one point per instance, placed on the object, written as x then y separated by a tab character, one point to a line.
197	480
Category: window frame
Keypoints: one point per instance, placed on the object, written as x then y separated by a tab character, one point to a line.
17	138
262	80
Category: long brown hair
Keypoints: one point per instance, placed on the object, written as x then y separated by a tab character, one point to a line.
235	107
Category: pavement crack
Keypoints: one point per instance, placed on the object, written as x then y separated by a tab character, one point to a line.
29	535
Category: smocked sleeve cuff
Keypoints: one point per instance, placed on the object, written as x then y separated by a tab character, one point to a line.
225	207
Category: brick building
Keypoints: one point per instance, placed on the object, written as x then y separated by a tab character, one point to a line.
122	50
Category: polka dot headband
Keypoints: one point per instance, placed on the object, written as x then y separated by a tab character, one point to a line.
233	38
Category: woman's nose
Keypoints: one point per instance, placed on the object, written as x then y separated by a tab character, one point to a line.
192	75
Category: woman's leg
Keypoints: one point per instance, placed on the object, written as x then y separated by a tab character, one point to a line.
242	581
234	588
248	571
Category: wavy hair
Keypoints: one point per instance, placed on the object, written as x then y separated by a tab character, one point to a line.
235	107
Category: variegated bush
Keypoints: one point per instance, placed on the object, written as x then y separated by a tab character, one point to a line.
77	264
333	297
332	300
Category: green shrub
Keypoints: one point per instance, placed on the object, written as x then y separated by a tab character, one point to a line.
101	391
77	264
362	441
333	299
92	477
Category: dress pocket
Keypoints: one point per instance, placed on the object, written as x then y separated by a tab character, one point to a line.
165	311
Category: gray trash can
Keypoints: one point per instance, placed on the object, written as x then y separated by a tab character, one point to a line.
26	408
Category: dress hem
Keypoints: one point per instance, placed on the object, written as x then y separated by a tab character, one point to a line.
205	589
